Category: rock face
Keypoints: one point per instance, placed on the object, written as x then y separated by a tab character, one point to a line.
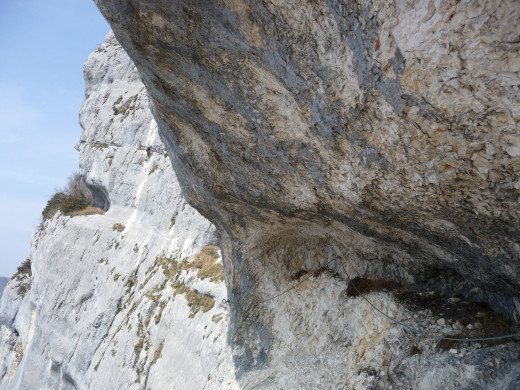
383	134
106	302
339	148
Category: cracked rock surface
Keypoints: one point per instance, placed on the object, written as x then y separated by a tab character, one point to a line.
381	133
386	133
106	304
332	144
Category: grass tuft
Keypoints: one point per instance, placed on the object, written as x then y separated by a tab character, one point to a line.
196	300
76	199
119	227
90	210
206	264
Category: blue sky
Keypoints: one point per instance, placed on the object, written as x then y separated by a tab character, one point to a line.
43	46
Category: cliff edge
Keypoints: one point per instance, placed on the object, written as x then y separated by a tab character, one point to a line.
358	162
131	298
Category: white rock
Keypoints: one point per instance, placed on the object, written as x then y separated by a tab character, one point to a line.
99	312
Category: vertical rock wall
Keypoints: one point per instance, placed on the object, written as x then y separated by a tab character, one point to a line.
389	130
107	304
327	141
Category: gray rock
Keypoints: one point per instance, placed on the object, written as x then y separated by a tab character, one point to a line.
325	140
373	131
378	133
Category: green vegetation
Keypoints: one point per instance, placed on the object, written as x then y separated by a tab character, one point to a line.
216	318
196	300
101	145
23	277
207	267
136	248
139	346
157	355
75	199
132	280
119	100
205	263
153	169
70	204
134	306
157	318
53	205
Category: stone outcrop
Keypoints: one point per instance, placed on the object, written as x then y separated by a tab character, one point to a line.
105	301
384	134
337	147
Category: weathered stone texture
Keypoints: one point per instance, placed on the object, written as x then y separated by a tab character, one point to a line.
100	309
381	133
385	130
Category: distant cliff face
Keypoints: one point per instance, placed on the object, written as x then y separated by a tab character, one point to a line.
106	301
3	283
381	133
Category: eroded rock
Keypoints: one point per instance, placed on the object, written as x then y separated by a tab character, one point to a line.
104	302
384	133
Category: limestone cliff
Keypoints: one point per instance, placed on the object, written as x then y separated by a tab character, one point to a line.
353	157
106	301
384	134
388	132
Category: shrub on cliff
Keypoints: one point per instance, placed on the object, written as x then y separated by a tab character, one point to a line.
53	205
71	203
23	277
74	199
78	189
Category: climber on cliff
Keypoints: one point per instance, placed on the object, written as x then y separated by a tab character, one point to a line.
149	151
